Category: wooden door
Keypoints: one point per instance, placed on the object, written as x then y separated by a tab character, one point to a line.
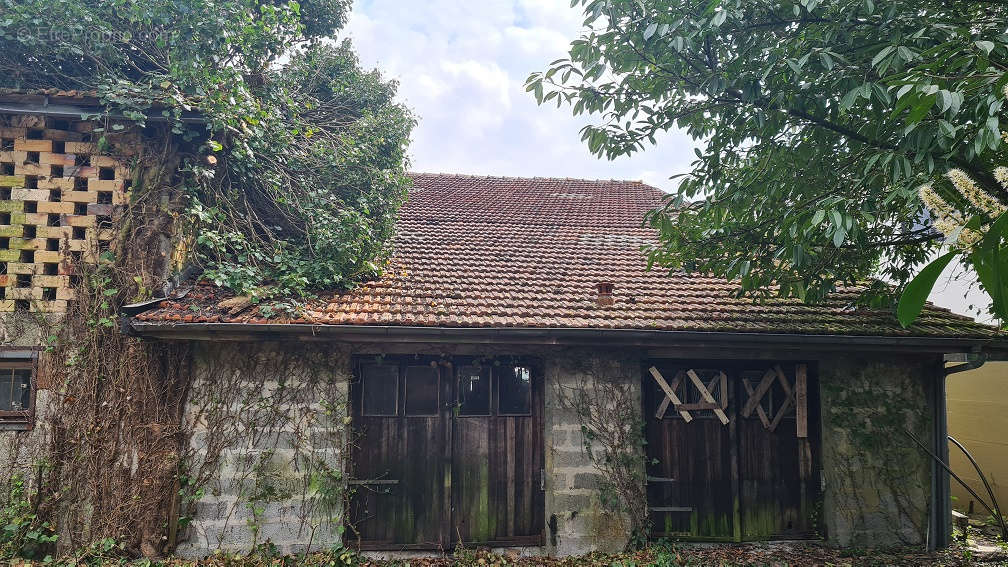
729	451
775	460
401	454
464	467
497	470
689	470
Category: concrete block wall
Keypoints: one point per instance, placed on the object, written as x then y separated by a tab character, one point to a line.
859	507
268	443
877	481
576	520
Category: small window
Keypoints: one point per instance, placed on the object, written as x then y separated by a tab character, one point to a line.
514	384
422	390
474	390
380	384
15	394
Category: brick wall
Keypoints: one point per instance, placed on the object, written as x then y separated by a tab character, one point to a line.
58	206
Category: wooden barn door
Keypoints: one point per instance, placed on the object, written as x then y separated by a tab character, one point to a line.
690	465
729	452
401	455
465	467
497	496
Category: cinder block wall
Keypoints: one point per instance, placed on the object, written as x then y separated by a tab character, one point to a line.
576	521
876	488
265	441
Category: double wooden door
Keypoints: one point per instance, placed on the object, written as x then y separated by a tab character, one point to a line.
446	451
731	449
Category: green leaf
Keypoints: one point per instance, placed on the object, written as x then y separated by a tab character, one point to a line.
650	30
911	303
985	46
921	109
882	55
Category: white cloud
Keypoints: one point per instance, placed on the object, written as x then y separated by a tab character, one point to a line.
462	67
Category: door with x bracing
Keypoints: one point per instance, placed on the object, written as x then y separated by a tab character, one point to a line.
732	448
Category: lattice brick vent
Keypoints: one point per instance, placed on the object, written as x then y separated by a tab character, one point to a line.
58	205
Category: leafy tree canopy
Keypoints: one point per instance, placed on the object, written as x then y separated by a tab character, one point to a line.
821	125
299	162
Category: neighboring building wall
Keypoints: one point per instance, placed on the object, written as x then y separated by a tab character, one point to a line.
57	208
877	481
978	418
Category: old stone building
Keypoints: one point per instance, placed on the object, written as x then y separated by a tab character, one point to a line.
517	378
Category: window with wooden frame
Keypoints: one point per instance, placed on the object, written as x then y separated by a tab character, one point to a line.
17	393
514	389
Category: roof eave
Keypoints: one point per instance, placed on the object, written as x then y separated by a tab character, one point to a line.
73	108
556	336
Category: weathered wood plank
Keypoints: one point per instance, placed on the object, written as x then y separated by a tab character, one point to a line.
759	408
669	392
757	395
801	400
707	395
780	413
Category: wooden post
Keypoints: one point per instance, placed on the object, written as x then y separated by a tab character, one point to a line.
801	400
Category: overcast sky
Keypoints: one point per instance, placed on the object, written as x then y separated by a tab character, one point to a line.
461	66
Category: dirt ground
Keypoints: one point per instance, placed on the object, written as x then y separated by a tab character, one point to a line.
979	552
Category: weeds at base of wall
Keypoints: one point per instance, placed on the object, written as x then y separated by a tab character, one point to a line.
656	555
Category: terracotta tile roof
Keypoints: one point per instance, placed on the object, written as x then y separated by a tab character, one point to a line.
520	252
58	95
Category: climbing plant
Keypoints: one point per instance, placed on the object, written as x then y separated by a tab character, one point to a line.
607	407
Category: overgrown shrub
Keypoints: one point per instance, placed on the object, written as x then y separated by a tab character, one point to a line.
295	163
22	532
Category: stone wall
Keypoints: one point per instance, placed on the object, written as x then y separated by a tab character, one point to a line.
877	481
577	521
268	433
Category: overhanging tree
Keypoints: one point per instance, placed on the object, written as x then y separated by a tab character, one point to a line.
297	172
820	124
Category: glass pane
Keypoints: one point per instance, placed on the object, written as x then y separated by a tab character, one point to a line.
22	389
515	390
380	383
15	389
6	392
474	390
421	390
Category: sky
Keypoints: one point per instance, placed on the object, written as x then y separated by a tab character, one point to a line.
461	67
